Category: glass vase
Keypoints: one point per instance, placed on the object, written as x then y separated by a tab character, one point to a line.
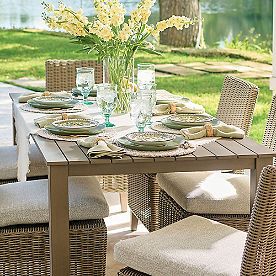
120	71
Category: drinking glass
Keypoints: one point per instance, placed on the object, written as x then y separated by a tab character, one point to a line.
148	95
145	74
85	81
140	111
106	100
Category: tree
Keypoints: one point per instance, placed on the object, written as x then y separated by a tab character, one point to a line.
191	37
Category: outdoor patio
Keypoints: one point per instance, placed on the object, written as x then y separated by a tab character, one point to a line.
145	147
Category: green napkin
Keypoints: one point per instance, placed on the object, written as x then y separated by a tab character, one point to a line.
100	147
222	130
28	96
178	107
46	120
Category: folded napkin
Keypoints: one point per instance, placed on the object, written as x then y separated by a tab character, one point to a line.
28	96
100	147
221	130
46	120
178	107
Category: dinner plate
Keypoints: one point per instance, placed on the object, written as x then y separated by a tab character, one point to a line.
190	119
49	106
150	138
75	124
52	100
173	100
83	132
154	147
173	125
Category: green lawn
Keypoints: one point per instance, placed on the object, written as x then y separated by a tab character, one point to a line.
22	54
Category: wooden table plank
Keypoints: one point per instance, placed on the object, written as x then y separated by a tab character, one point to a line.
50	150
219	151
259	149
124	159
72	152
142	159
164	159
185	157
235	147
202	153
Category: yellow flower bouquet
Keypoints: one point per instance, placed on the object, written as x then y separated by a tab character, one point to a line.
113	37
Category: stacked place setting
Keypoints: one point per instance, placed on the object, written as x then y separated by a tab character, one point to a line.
52	102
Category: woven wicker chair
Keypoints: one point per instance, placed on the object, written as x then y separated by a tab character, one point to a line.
226	250
236	106
171	211
61	75
24	233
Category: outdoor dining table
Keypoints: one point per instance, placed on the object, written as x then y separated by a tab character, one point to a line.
66	159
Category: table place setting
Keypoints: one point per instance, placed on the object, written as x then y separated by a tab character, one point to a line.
68	127
50	103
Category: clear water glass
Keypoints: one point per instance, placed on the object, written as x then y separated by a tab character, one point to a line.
145	74
141	111
106	100
148	95
85	81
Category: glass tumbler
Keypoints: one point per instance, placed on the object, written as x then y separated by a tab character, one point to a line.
145	74
106	100
85	81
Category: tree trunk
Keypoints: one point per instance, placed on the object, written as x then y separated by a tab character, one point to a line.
189	37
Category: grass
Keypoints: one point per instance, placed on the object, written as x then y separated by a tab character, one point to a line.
23	54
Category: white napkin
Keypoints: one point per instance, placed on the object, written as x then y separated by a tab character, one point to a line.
100	147
222	130
178	107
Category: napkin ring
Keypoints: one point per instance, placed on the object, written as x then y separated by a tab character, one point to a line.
46	93
172	107
64	116
209	130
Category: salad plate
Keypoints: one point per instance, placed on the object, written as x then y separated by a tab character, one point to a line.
75	124
153	138
60	105
52	100
190	119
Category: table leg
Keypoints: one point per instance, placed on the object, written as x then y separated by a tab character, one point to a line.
260	163
59	220
133	222
13	126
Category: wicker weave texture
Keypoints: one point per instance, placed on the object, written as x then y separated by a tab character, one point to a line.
269	138
24	250
259	256
114	183
170	212
143	198
237	102
61	74
127	271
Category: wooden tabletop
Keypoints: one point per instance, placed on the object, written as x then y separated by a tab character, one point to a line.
221	150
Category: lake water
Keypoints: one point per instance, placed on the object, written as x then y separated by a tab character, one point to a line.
223	19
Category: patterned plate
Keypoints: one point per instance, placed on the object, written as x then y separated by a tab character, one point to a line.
35	104
150	137
74	124
52	100
190	119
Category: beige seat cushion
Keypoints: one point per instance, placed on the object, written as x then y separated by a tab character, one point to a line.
8	163
193	246
208	192
27	202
